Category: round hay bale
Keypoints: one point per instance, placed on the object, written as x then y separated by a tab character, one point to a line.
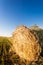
26	43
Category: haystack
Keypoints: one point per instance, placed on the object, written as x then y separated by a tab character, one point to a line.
26	43
39	32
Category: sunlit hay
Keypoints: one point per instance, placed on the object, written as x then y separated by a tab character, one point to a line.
39	32
26	43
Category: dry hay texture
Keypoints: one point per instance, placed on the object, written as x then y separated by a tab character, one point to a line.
26	43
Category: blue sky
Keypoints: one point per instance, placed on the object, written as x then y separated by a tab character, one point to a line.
14	13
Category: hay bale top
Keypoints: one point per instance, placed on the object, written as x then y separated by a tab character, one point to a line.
26	43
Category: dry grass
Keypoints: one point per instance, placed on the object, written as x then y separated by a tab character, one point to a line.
10	57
